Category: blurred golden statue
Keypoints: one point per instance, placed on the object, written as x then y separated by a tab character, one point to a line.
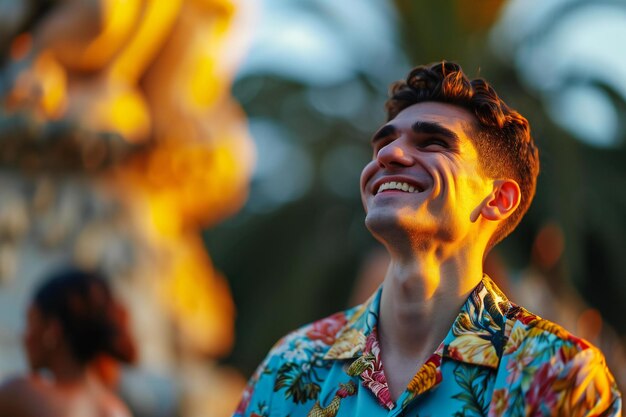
126	105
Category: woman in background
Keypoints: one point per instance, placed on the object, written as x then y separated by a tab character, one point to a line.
73	322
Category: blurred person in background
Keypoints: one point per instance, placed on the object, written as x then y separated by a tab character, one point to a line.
452	174
76	332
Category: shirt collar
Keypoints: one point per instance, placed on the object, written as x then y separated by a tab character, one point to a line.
351	340
477	335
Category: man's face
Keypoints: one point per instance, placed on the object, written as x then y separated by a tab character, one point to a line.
424	180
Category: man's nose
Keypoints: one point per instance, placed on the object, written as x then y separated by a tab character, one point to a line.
393	154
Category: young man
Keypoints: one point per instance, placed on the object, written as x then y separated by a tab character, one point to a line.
453	172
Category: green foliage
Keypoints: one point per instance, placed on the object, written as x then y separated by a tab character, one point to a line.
473	380
298	383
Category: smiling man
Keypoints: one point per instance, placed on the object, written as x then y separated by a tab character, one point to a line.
452	173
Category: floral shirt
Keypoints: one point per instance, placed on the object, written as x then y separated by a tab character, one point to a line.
497	360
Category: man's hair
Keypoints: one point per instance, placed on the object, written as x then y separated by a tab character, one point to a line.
503	141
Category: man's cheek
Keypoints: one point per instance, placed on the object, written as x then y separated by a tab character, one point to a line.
366	174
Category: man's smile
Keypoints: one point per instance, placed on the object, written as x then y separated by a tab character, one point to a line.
399	186
402	183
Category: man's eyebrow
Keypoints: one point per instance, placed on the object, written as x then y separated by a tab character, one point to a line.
432	128
383	132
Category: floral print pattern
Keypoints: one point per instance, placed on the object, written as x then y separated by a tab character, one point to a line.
497	360
372	374
427	377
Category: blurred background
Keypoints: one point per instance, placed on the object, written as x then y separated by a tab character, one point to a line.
206	155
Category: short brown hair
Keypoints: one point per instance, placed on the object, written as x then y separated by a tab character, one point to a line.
503	141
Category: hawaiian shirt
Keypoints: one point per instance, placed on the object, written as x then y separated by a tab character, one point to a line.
496	360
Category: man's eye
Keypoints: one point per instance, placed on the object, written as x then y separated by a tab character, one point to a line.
434	143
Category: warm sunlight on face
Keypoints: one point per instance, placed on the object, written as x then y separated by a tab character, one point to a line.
424	180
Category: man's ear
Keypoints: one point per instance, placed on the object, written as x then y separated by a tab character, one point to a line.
502	201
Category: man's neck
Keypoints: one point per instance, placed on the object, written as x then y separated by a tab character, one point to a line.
421	298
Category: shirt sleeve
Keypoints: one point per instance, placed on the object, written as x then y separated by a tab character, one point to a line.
257	396
589	389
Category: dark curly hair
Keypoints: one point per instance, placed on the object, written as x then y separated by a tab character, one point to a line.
93	322
503	141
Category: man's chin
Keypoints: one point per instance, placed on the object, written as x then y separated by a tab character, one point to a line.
377	221
385	227
394	230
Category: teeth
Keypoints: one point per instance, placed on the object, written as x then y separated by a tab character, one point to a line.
393	185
